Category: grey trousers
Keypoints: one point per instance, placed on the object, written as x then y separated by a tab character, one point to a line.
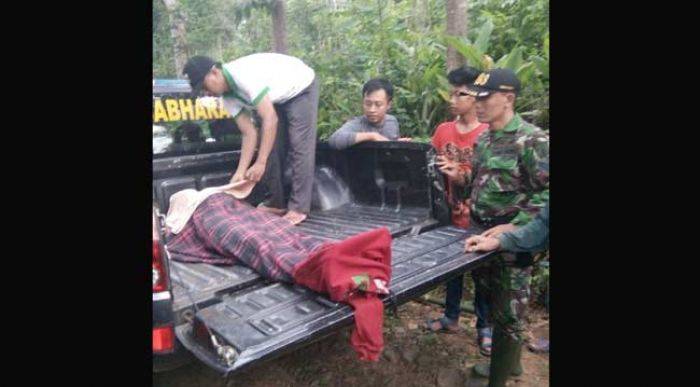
290	167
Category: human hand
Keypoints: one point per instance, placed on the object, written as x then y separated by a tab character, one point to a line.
449	168
498	230
238	176
256	172
481	243
407	139
379	137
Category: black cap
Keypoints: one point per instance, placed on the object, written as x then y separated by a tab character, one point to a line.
196	69
489	81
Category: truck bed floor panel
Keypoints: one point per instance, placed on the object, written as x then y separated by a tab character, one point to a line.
266	321
205	282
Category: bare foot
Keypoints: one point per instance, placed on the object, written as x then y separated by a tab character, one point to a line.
272	210
295	217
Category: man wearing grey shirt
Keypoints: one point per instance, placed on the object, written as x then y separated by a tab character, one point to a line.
375	124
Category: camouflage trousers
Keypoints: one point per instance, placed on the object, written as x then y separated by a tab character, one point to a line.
507	287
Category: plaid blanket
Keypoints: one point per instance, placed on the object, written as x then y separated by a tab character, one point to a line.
224	230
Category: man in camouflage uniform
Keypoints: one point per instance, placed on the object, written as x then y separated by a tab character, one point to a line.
509	184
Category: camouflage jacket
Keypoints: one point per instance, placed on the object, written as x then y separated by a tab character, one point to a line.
532	237
510	170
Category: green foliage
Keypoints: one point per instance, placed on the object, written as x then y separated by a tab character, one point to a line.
163	63
400	40
515	23
533	72
540	282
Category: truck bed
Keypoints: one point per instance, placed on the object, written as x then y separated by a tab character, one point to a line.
268	319
206	283
389	184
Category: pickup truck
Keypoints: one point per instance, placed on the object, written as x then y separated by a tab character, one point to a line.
229	317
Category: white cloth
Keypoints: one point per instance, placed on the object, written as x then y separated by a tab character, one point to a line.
183	203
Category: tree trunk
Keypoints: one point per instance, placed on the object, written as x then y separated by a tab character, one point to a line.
427	14
382	46
279	26
178	34
420	18
457	27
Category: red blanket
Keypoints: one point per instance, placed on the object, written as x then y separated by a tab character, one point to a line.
347	271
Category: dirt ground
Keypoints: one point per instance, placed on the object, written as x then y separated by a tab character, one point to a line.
411	357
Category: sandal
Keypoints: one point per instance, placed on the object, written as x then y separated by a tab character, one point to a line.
442	324
484	341
539	346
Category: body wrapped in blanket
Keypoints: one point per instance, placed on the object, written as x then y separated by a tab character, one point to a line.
224	230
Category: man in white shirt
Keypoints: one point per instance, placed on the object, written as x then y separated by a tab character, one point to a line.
284	92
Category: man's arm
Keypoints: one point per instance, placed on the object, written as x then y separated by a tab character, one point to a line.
532	237
344	136
451	170
471	172
390	130
369	136
269	130
249	140
535	165
349	134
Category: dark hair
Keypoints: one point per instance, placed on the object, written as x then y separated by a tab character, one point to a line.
190	131
378	83
222	127
464	75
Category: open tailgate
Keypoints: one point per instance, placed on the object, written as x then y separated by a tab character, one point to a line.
270	319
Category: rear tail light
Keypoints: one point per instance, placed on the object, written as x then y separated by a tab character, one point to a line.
163	339
160	279
160	275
